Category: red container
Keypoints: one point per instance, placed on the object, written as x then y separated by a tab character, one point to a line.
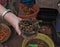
33	15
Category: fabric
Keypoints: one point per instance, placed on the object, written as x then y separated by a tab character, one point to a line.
58	23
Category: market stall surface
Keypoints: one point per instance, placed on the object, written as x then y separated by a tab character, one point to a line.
14	41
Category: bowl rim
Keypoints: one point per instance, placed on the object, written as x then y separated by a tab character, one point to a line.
7	35
43	37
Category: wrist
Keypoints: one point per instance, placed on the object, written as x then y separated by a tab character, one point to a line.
4	13
2	9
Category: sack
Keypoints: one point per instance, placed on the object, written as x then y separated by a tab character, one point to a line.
47	14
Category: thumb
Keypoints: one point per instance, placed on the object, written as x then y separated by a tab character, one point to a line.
18	30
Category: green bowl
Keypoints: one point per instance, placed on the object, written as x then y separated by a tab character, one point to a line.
28	34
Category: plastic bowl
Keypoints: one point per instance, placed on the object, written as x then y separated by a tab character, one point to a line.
40	36
33	15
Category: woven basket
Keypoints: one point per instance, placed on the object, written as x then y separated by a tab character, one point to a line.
5	32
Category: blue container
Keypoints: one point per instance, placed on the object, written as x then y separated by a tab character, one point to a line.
29	3
58	23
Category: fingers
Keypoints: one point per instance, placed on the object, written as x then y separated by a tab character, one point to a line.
18	30
20	18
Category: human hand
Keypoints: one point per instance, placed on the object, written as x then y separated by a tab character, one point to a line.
16	26
11	18
14	21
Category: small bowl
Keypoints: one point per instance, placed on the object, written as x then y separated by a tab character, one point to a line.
29	34
28	27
